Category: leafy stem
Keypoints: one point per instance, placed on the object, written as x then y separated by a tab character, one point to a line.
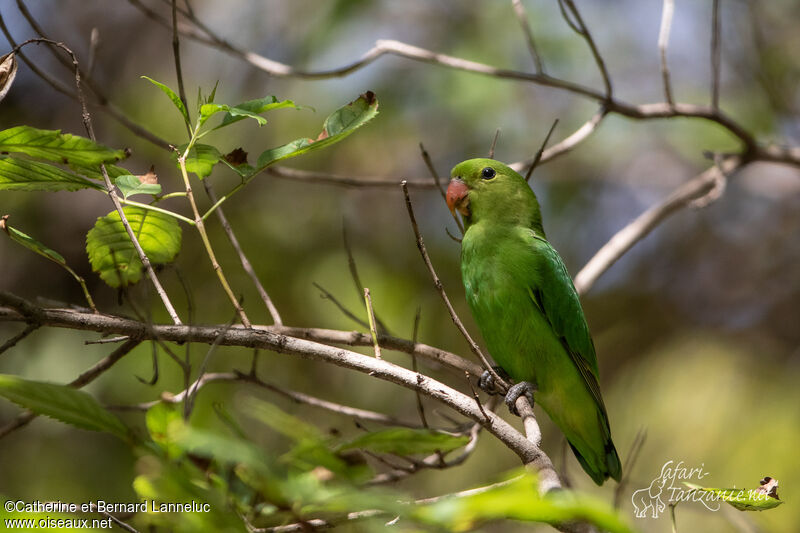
201	229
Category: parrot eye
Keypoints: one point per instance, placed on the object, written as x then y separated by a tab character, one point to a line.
488	173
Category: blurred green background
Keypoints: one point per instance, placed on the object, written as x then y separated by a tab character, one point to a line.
697	328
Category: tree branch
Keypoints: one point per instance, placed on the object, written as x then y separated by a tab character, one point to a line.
624	239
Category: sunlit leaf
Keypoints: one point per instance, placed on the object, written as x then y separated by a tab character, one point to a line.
172	96
130	185
25	175
201	159
519	499
112	254
158	419
337	126
52	145
406	441
741	499
66	404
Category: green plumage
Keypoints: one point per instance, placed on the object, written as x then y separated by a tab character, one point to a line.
528	311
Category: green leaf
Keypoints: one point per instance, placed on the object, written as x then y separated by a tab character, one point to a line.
337	126
32	244
24	175
172	96
130	185
112	254
52	145
96	174
66	404
201	159
250	109
519	499
741	499
406	441
281	421
158	419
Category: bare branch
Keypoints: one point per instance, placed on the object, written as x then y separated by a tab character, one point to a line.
380	326
624	239
522	17
273	311
663	43
109	324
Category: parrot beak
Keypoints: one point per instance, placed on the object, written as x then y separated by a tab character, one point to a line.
458	197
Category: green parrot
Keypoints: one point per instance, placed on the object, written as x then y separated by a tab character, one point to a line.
527	309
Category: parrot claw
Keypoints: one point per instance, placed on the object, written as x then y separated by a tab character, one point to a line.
486	381
515	391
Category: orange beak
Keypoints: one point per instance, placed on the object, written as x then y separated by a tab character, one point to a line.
458	197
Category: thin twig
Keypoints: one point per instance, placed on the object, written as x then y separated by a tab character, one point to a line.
176	53
273	311
568	143
522	17
580	28
10	343
351	264
494	143
201	229
667	11
349	314
632	457
426	157
414	367
540	151
440	289
371	316
715	54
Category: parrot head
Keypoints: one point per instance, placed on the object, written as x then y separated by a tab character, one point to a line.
488	190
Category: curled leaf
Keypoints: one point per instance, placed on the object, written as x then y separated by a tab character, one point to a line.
8	71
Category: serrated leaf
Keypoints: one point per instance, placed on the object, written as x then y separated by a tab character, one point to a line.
66	404
176	100
741	499
96	174
201	159
25	175
8	71
337	126
130	185
406	441
112	254
52	145
519	499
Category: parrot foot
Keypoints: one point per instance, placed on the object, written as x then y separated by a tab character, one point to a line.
486	381
515	391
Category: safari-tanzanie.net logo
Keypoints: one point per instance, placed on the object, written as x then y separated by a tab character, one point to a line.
679	483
